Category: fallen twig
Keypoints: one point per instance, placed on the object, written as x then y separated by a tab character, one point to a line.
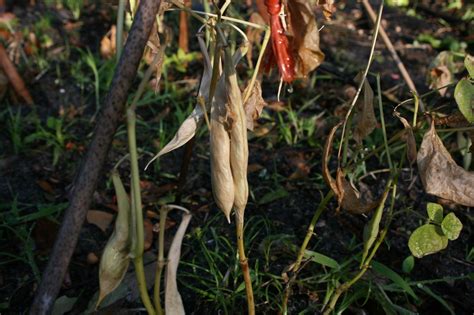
393	52
13	76
86	181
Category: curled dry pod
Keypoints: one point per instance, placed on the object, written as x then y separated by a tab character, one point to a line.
221	174
115	259
238	135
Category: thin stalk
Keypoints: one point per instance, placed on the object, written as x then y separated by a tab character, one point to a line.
346	286
137	207
120	23
364	76
265	42
161	260
417	105
382	121
244	264
304	245
309	232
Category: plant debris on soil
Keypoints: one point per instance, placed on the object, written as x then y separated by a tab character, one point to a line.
56	49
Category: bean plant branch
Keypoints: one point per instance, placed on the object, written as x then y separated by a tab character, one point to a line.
88	175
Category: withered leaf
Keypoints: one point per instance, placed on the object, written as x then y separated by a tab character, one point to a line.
108	45
188	128
348	198
304	37
173	301
254	104
440	76
409	138
440	174
364	117
328	8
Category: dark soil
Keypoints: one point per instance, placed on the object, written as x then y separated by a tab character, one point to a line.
30	181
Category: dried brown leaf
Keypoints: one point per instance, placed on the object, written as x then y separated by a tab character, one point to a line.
347	196
364	117
440	174
188	128
440	76
254	105
173	301
99	218
328	8
304	37
409	138
108	45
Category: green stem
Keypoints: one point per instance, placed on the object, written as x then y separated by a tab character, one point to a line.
137	208
304	245
309	232
345	286
119	34
364	77
244	264
382	121
161	260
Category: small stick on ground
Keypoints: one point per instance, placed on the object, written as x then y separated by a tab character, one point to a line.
393	52
86	181
15	79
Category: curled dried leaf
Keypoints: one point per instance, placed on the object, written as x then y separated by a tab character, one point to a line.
409	138
347	196
328	8
115	259
440	174
108	45
364	117
254	105
188	128
173	300
304	37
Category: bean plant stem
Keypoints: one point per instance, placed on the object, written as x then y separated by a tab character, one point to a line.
382	121
362	82
161	260
137	208
304	245
119	34
345	286
244	264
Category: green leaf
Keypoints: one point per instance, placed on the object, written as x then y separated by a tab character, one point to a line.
279	193
321	259
464	96
451	226
395	277
371	230
408	264
435	212
427	239
469	64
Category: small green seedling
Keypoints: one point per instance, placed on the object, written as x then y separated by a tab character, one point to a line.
433	237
